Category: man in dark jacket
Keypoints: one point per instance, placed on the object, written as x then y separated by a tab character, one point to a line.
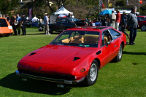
132	24
124	23
23	24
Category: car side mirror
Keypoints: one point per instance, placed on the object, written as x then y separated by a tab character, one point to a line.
108	43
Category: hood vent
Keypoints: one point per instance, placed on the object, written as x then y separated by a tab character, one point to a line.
32	54
76	58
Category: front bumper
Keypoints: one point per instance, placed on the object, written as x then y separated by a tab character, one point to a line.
57	80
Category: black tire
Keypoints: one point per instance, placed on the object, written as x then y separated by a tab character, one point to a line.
7	35
92	74
119	56
143	28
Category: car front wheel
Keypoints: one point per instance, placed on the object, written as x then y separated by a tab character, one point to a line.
120	53
143	28
92	74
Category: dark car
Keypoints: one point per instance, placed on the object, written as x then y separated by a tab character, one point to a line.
81	22
62	24
142	22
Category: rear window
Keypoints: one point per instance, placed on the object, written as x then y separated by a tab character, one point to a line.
3	23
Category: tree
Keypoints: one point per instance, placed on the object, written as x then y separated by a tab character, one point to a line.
120	3
4	6
7	5
143	10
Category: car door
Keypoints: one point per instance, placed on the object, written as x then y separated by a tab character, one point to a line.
109	46
106	46
115	41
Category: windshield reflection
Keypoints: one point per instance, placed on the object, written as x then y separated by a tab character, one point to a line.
78	38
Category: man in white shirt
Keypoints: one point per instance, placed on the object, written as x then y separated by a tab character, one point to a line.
46	22
113	19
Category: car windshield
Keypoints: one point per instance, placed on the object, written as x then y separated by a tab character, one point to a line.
3	23
141	18
78	38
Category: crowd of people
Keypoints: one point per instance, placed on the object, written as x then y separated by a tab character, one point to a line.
114	20
18	22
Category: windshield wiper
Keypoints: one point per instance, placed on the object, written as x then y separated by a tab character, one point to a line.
77	44
73	44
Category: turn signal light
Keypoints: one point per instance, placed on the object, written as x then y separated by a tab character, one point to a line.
82	70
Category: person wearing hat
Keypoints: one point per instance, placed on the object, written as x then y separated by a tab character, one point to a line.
118	19
46	21
132	24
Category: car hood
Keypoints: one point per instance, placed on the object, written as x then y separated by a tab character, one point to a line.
4	30
58	55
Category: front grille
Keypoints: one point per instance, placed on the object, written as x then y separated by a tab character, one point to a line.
52	76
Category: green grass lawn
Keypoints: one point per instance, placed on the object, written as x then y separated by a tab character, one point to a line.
126	78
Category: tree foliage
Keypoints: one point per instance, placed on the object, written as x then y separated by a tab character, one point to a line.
120	3
143	10
7	5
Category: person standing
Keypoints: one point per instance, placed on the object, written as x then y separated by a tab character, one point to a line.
7	17
108	23
113	19
46	22
23	20
132	24
18	19
14	24
124	23
118	19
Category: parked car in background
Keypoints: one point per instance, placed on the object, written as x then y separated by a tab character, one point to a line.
74	56
81	22
5	27
62	24
28	23
142	22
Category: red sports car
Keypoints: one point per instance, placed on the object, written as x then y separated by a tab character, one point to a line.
142	22
74	56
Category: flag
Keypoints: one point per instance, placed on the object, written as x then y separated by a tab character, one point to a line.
101	4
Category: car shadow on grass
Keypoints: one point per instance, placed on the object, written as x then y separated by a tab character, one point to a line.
134	53
14	82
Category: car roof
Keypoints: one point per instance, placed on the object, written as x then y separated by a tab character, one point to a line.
91	28
141	16
2	18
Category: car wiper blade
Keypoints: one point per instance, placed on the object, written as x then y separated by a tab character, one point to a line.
73	44
77	44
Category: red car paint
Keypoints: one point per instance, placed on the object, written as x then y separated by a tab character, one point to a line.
70	59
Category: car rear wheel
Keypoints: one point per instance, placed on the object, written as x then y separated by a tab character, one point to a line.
119	56
143	28
92	74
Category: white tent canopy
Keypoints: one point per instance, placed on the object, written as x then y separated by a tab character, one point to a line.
62	10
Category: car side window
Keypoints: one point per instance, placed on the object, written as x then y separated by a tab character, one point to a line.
114	34
106	37
3	23
64	21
